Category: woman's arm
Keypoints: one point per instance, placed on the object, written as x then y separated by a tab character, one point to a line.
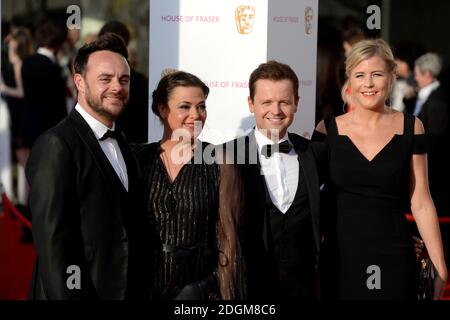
16	92
424	213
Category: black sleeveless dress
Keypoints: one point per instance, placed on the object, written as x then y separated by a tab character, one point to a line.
376	256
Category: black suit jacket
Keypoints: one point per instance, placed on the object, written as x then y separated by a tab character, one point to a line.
45	96
258	250
83	216
134	119
435	115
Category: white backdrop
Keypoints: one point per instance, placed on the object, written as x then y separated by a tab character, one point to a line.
202	37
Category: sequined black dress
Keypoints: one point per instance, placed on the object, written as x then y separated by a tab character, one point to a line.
185	213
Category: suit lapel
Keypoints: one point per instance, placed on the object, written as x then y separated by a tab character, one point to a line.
308	165
107	172
101	160
262	194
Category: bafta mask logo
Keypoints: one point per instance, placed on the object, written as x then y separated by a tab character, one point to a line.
308	20
245	16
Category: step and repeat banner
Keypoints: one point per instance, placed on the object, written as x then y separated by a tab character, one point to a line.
222	42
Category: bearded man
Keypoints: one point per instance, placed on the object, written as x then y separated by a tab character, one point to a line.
91	234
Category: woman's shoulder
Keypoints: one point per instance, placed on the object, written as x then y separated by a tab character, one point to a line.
145	150
342	119
323	125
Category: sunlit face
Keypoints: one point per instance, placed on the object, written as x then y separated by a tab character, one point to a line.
347	48
12	50
370	83
402	69
185	107
105	86
273	105
423	78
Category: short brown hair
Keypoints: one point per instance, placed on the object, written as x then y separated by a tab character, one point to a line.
118	28
108	41
169	82
353	36
276	71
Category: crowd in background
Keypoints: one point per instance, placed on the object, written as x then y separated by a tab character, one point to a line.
38	88
37	85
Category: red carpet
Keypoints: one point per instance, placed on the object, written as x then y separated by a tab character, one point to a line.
17	258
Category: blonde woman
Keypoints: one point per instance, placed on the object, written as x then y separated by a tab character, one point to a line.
378	169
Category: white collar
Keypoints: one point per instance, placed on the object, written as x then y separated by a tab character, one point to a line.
262	140
425	92
48	53
97	127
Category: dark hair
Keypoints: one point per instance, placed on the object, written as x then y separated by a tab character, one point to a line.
408	52
108	41
24	42
118	28
276	71
353	36
169	82
51	35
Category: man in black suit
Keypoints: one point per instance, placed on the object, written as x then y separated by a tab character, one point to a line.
89	227
280	178
433	109
43	84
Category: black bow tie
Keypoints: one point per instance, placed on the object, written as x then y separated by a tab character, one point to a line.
269	149
110	134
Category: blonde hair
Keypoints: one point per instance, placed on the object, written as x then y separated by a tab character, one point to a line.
367	49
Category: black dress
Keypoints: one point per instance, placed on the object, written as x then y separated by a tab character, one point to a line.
374	242
185	213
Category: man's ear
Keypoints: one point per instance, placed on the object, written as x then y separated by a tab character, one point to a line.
79	82
251	107
297	101
163	111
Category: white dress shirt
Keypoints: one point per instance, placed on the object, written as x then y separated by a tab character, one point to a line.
280	172
48	53
423	95
109	146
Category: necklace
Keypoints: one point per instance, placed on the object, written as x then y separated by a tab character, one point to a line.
167	165
173	169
